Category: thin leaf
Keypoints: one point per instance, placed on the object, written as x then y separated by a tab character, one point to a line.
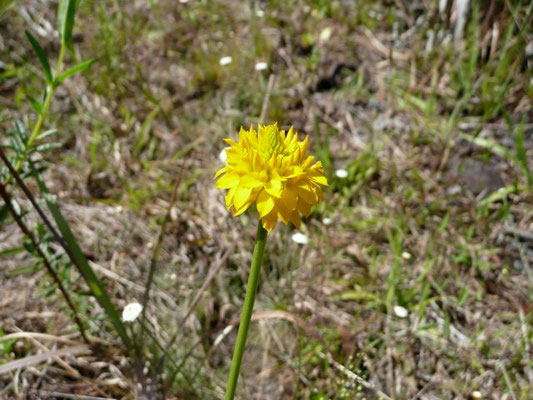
20	132
521	154
79	259
520	159
490	145
501	194
36	105
71	71
21	129
4	211
47	133
46	147
25	269
142	136
65	20
42	57
16	145
62	9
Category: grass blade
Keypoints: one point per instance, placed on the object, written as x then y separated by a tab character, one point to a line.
492	146
74	70
65	20
69	244
74	251
96	286
42	57
521	154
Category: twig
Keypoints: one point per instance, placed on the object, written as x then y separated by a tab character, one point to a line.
381	48
157	249
46	393
32	200
211	274
39	358
71	247
7	200
58	360
37	335
126	282
352	375
507	380
164	350
270	86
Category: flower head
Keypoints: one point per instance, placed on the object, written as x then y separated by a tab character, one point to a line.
271	168
261	66
131	312
225	60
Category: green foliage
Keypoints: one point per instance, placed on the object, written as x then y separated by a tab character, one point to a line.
25	147
43	59
65	20
73	70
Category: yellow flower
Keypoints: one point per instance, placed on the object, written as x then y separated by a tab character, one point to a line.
271	168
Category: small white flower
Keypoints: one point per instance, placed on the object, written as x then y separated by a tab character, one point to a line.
341	173
325	35
400	311
173	276
222	156
260	13
300	238
225	60
261	66
224	333
184	1
16	207
131	312
326	221
406	255
476	394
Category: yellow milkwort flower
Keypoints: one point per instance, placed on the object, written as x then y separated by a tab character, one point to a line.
271	168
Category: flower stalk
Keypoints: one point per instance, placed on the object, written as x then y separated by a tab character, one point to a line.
246	316
269	167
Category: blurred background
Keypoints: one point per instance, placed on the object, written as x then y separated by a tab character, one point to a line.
413	279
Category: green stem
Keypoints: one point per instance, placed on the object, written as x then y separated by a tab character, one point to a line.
246	316
50	89
37	128
60	58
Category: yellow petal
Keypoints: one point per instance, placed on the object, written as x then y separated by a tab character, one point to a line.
227	181
269	221
274	188
305	192
289	198
295	219
242	195
271	168
283	215
244	207
248	203
304	208
230	142
250	181
219	172
229	198
265	204
320	179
